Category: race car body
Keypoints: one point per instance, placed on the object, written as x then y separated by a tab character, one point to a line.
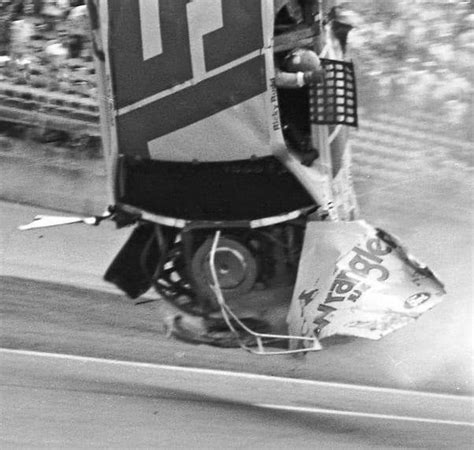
192	114
220	167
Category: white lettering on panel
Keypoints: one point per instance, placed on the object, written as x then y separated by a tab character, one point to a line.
204	16
150	28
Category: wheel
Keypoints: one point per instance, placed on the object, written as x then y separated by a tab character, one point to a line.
235	265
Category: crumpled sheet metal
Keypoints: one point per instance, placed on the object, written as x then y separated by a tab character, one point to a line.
357	280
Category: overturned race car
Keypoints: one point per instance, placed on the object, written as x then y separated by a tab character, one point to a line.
225	130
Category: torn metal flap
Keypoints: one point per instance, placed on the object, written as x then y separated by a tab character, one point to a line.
356	280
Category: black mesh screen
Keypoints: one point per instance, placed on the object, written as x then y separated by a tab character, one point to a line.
334	101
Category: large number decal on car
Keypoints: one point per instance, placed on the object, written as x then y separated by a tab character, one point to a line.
175	62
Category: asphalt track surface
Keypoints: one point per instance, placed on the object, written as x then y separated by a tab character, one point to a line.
62	401
67	402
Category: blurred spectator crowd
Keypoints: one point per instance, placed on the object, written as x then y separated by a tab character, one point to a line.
416	54
411	54
46	44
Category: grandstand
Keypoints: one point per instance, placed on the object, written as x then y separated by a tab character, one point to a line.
47	74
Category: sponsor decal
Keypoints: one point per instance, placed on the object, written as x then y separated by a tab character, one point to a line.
365	263
353	281
275	108
305	298
417	299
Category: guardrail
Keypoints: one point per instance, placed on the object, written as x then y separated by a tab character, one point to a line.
39	107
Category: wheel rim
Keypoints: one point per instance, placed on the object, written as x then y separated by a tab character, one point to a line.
235	266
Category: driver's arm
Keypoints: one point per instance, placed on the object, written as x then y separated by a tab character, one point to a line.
295	80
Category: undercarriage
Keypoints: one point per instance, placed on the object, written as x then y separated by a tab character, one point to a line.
216	285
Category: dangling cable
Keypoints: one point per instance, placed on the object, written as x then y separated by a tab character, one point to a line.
260	338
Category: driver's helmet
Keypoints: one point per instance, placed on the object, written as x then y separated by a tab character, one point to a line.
301	60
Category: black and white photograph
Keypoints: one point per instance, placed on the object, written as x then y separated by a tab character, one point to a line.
236	224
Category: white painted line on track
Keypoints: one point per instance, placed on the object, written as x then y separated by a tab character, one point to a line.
221	372
336	412
257	377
